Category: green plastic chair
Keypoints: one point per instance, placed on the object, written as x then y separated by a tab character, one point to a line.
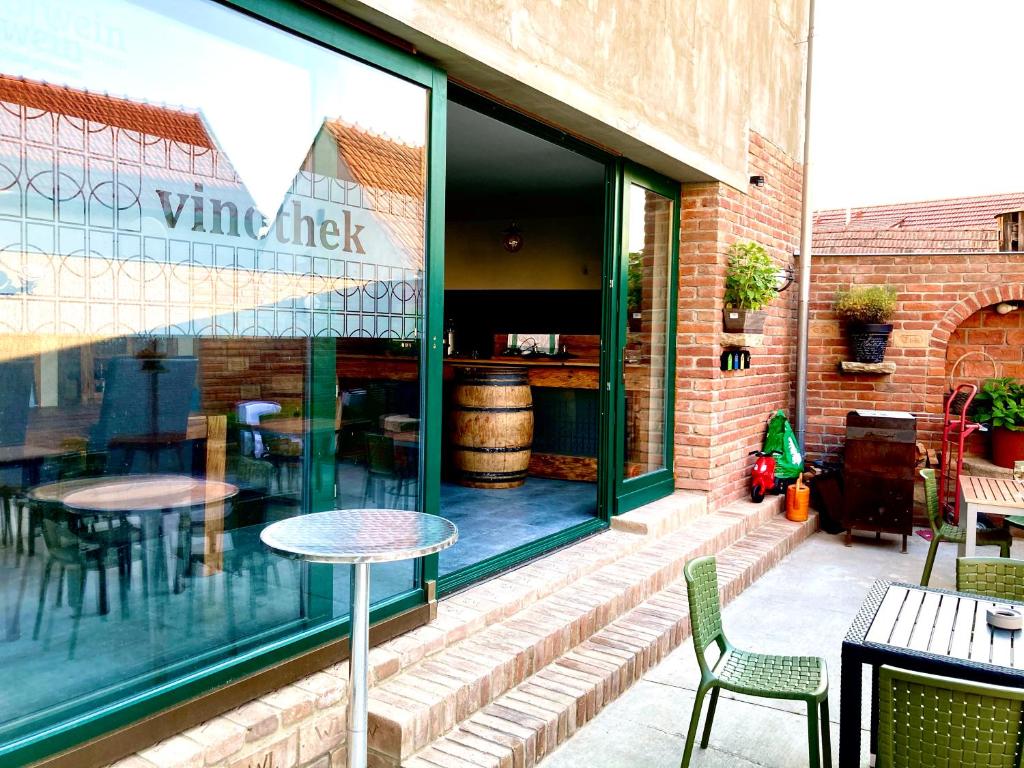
799	678
995	577
927	721
943	531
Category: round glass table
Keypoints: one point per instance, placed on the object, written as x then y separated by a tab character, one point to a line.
359	537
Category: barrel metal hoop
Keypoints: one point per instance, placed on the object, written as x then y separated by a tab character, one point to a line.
496	476
497	449
492	409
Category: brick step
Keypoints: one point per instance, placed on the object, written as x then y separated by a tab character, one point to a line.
520	727
429	697
468	612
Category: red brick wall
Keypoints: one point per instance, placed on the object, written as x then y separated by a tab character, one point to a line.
720	416
938	293
232	370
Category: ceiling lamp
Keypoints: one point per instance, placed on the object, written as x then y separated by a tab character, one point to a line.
512	239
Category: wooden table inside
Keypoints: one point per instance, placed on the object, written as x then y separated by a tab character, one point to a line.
990	495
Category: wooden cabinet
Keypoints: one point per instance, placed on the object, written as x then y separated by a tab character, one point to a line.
879	473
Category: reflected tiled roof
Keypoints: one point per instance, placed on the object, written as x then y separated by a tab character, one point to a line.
954	213
378	162
168	123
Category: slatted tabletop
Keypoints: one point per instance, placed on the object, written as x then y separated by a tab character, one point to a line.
992	491
945	624
926	630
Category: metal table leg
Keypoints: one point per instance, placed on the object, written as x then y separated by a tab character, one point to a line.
850	703
358	664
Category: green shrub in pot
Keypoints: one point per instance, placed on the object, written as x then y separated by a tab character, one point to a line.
867	311
750	284
1000	404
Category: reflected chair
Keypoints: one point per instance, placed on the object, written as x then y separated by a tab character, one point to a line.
353	423
17	378
239	545
74	550
146	402
927	720
996	577
943	531
383	468
795	678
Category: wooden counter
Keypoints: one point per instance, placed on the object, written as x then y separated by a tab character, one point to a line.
573	373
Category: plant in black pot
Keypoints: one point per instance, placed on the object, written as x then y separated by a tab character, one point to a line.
867	312
1000	404
750	281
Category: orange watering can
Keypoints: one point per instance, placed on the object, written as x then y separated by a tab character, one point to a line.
798	501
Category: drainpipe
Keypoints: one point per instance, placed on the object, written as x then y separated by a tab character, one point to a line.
804	265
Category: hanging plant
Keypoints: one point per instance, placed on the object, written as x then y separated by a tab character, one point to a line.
750	284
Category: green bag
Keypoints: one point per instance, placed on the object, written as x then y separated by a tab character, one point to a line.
780	437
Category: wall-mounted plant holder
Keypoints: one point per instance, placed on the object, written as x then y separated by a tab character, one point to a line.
735	360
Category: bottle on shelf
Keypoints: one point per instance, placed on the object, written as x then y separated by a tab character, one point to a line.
449	337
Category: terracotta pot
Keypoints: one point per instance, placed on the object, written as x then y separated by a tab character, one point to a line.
1007	447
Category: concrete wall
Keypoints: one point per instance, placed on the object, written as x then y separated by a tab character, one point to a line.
675	84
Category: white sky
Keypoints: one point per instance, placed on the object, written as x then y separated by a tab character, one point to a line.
916	100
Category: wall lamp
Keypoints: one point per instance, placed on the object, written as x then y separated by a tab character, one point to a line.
785	276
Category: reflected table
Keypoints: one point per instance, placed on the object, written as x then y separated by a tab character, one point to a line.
358	537
149	496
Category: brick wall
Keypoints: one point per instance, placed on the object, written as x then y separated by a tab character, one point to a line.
720	416
938	294
232	370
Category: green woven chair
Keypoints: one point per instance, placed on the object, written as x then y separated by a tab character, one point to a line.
943	531
995	577
799	678
926	721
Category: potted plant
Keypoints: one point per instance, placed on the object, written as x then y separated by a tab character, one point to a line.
1000	404
867	312
750	281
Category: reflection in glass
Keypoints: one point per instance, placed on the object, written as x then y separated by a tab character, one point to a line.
197	338
647	308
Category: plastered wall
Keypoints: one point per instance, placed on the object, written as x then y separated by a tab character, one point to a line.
675	84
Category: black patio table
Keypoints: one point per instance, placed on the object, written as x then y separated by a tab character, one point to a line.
927	630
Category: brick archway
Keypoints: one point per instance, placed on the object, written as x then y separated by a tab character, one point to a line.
967	307
955	315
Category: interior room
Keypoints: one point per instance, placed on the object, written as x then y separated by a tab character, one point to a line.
524	247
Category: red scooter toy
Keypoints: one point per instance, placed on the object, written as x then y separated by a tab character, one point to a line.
762	476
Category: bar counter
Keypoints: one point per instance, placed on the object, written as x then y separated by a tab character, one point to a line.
571	373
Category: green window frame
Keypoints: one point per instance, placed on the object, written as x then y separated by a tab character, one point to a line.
110	732
634	492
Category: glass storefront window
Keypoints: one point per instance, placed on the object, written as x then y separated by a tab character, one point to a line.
648	293
211	301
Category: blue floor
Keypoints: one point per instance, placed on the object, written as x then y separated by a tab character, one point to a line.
494	521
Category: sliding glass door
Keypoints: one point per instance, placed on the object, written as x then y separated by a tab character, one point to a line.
642	356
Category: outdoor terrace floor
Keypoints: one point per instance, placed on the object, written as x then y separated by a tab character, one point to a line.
803	606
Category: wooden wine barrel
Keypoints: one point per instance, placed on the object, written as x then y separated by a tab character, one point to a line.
491	427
